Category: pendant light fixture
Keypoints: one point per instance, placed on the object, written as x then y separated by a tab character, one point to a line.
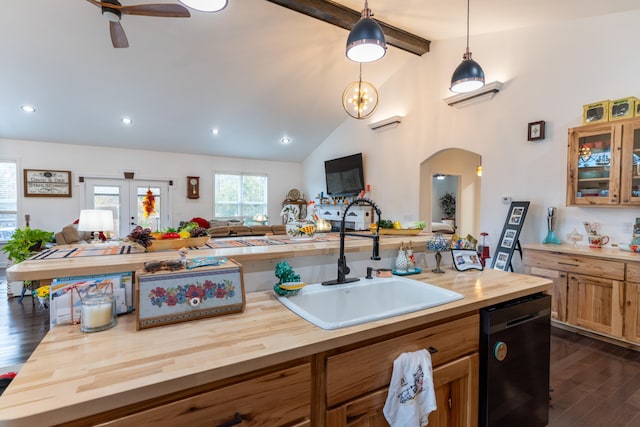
366	41
205	5
469	75
360	99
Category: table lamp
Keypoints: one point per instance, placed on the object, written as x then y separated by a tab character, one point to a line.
95	221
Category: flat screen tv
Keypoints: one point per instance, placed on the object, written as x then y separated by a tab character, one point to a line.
345	175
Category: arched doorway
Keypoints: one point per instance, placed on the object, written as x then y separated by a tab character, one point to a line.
461	166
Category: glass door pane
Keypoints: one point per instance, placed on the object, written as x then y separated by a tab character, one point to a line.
594	163
124	198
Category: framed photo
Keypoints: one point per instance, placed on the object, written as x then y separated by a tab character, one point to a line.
535	131
47	183
508	242
466	259
167	297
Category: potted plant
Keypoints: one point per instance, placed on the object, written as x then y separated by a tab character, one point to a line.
448	204
24	242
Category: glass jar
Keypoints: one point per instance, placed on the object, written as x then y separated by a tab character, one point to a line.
98	313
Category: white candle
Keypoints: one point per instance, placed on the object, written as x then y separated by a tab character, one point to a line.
97	313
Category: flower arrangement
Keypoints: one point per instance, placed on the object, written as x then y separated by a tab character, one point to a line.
42	293
149	204
192	294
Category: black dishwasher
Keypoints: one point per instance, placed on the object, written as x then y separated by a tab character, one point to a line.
514	363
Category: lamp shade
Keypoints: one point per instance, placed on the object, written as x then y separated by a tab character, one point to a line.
468	76
366	41
205	5
95	220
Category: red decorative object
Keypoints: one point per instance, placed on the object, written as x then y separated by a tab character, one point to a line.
149	204
201	222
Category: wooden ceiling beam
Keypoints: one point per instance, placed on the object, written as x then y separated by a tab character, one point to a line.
344	17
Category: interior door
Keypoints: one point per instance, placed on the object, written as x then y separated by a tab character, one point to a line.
124	198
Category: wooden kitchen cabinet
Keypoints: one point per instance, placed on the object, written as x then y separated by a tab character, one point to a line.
455	385
358	379
596	304
602	294
278	398
603	164
632	301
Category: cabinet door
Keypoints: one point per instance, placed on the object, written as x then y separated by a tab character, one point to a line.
558	292
631	312
630	168
456	389
593	169
596	304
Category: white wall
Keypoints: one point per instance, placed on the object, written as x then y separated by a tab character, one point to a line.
549	73
52	213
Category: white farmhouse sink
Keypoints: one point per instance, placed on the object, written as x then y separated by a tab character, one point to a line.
338	306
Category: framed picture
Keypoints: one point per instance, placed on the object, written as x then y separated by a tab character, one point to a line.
508	242
535	131
47	183
466	259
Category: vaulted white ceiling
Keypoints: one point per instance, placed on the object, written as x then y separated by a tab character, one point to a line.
254	70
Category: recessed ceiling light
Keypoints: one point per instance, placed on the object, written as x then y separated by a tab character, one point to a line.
285	140
215	131
126	120
28	108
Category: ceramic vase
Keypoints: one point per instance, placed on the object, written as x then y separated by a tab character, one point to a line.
401	260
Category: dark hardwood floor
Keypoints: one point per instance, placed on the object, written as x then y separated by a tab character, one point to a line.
594	383
22	326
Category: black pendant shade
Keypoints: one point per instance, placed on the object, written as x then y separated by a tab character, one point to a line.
468	76
366	41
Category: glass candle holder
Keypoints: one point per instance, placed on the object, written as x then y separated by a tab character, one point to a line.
98	313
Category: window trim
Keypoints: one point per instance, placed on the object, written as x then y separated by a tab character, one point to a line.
16	162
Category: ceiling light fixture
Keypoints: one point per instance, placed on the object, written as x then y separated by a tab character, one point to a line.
366	41
27	108
126	120
360	99
215	131
469	75
205	5
285	140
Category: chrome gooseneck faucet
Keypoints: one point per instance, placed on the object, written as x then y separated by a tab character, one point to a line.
343	268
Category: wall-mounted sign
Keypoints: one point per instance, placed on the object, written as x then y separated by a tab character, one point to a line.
47	183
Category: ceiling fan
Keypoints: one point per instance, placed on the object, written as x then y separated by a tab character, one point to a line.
113	10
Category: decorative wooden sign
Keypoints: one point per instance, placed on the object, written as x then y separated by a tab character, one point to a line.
47	183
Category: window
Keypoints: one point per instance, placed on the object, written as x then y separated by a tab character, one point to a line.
8	199
240	195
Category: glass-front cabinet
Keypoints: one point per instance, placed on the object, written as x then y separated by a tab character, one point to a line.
604	164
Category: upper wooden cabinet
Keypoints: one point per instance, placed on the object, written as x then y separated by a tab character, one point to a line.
603	164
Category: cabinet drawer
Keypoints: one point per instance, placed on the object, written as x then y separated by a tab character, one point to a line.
368	368
590	266
275	399
633	272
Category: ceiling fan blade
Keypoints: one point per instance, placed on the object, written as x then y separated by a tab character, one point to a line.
95	3
118	37
164	10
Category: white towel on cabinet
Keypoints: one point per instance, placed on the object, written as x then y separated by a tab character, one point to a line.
411	395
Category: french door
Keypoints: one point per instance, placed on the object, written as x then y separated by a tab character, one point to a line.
124	198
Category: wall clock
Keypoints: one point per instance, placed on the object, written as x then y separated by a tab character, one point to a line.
193	187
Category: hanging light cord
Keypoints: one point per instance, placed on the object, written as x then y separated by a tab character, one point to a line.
468	5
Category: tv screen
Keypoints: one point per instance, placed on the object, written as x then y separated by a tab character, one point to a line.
345	175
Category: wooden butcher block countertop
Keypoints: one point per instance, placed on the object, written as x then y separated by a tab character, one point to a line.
73	375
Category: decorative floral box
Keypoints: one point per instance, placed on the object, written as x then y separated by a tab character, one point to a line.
167	297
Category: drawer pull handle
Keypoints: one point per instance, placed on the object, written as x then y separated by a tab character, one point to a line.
237	419
568	263
432	350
